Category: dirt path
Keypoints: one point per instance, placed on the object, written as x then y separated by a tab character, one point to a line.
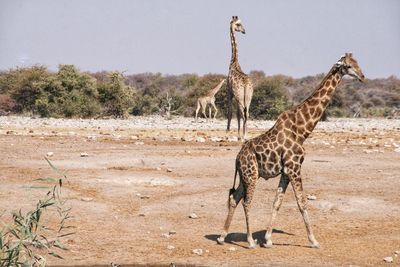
138	185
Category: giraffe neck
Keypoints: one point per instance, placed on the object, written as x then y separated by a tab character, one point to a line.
234	58
216	89
311	110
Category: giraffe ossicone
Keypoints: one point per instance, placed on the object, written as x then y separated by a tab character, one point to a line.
280	151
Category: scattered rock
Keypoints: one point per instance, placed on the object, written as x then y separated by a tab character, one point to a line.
49	154
87	199
84	154
144	197
170	247
311	197
197	251
142	215
232	139
158	169
397	150
200	139
193	216
166	235
172	232
91	137
397	252
134	137
216	139
169	170
388	259
139	143
232	249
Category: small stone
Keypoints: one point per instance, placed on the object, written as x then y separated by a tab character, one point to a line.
232	249
232	139
197	251
170	247
200	139
166	235
311	197
142	215
397	252
193	216
397	150
84	154
169	170
87	199
158	169
172	232
139	143
144	197
134	137
49	154
216	139
388	259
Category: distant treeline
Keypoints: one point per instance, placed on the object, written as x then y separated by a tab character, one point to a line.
71	93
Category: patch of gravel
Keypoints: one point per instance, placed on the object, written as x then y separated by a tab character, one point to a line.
158	122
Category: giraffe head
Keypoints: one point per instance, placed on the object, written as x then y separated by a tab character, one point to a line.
349	66
237	25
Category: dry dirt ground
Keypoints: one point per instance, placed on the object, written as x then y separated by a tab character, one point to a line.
137	185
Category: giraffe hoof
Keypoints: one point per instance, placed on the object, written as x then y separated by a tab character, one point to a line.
315	245
220	240
253	246
268	244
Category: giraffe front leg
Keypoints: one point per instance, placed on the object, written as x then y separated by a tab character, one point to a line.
233	201
302	204
283	184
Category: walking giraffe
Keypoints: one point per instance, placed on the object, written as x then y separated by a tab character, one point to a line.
239	84
280	151
208	99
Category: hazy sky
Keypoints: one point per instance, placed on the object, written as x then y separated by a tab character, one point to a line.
295	37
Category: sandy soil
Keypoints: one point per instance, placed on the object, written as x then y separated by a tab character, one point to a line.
141	182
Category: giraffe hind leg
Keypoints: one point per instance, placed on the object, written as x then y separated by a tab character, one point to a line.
234	198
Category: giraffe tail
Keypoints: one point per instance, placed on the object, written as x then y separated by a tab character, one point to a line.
232	190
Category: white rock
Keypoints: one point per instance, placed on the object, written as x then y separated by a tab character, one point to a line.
87	199
311	197
397	150
232	139
84	154
134	137
169	170
397	252
49	154
198	251
200	139
216	139
158	169
170	247
232	249
388	259
193	216
139	143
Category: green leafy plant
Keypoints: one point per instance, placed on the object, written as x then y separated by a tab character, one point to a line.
27	237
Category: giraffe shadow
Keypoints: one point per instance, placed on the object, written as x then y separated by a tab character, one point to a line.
235	238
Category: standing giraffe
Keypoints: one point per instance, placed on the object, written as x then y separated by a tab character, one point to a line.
208	99
239	84
280	151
